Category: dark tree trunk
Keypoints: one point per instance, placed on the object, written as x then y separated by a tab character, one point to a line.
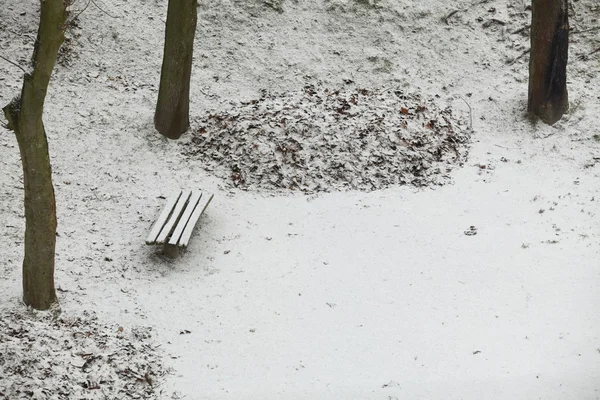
548	97
173	107
24	115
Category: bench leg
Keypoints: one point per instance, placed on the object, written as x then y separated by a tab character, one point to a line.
171	251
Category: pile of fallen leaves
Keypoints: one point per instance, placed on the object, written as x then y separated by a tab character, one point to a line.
43	357
320	139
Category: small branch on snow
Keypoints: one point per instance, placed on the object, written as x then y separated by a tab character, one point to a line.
595	51
548	135
585	30
97	6
81	12
521	29
519	56
491	21
507	148
584	57
13	63
100	8
447	17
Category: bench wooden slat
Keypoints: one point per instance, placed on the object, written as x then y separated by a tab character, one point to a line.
158	225
187	233
168	228
185	217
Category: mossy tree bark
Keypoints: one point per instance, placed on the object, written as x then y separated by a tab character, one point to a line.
173	107
24	115
548	97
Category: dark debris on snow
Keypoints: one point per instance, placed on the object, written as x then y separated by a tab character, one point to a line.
322	140
54	358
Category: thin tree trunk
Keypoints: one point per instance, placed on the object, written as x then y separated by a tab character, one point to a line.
548	97
173	107
24	115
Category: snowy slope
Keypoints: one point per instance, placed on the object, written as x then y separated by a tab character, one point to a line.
352	295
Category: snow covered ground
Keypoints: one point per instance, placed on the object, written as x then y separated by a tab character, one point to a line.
386	294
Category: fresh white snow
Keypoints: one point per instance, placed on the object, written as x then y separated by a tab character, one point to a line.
351	295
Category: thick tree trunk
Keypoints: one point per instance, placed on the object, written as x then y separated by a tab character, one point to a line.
173	107
24	115
548	97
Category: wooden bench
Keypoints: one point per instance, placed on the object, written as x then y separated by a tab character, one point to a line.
174	226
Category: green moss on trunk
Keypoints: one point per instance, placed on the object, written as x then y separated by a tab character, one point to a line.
172	109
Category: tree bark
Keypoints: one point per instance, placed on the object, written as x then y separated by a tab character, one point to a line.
24	115
548	97
171	118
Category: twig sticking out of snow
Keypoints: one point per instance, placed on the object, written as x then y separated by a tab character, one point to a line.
470	114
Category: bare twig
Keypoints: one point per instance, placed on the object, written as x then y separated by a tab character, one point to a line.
97	6
491	21
81	12
519	56
470	114
447	17
548	135
595	51
585	30
507	148
585	56
100	8
521	29
13	63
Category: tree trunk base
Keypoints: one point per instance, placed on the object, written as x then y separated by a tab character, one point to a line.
548	96
171	118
